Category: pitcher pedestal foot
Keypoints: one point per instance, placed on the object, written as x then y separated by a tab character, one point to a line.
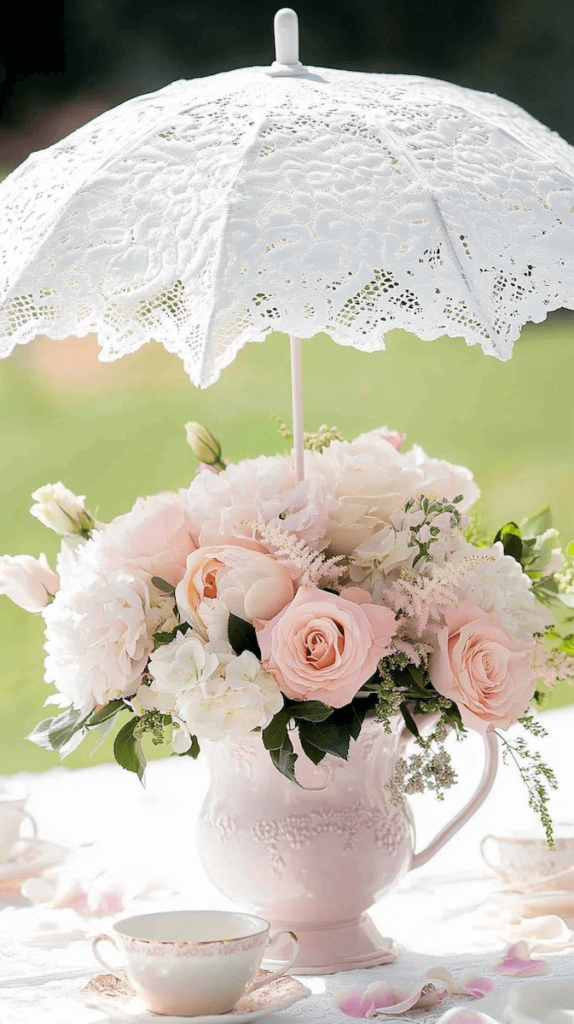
330	948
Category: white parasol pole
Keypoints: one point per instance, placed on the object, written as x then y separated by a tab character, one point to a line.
297	400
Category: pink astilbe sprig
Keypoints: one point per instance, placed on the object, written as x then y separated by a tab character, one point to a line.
308	566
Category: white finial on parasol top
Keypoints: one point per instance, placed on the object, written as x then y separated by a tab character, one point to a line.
286	25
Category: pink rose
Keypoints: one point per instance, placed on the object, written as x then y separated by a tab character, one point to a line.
482	668
324	646
153	537
250	584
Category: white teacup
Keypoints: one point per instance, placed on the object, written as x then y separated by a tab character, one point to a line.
524	860
191	963
13	814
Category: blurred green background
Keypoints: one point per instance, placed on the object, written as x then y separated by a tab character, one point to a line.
115	431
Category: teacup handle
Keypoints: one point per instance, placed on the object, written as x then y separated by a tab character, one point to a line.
29	842
485	785
286	966
111	970
483	842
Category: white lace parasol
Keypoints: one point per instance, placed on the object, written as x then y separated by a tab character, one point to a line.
217	210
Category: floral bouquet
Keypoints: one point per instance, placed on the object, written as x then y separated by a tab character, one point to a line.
252	601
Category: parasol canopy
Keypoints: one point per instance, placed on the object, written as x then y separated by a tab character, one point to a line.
293	199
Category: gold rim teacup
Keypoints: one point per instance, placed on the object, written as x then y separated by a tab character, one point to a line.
192	963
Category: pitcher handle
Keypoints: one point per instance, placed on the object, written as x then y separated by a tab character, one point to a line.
485	785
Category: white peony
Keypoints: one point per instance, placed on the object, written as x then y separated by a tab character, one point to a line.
261	490
99	635
442	479
28	582
495	582
370	479
210	691
153	537
61	510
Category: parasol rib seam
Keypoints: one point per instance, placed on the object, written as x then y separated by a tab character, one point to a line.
253	142
110	161
435	203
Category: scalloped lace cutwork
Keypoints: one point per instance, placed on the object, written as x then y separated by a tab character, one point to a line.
215	211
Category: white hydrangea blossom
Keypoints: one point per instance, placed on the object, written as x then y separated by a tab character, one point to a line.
495	582
99	635
209	690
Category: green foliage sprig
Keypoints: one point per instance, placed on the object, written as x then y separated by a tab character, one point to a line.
315	441
536	775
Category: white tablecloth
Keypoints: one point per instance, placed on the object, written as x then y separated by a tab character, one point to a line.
131	834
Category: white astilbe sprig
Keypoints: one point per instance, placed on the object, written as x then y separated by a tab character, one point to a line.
420	601
309	566
552	664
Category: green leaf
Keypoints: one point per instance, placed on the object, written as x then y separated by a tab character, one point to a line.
162	585
65	726
194	750
567	645
102	732
40	734
313	753
128	750
161	639
242	636
570	548
352	716
418	679
310	710
57	733
409	720
542	551
275	735
511	539
102	714
537	524
284	759
327	736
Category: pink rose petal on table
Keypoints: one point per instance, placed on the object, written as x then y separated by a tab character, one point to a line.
381	998
475	985
517	962
353	1003
468	984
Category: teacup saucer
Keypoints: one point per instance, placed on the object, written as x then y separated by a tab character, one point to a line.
33	862
118	1001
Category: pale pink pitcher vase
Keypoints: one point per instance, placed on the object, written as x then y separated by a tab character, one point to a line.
314	862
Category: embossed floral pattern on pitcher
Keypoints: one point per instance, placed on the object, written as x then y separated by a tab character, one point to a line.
314	860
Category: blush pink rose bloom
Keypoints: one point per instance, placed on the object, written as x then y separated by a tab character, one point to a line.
324	646
482	668
153	537
250	584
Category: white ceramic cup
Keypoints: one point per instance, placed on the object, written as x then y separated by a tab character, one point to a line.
525	861
192	963
13	814
541	1001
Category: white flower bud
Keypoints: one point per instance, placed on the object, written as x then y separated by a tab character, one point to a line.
204	445
28	582
61	510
